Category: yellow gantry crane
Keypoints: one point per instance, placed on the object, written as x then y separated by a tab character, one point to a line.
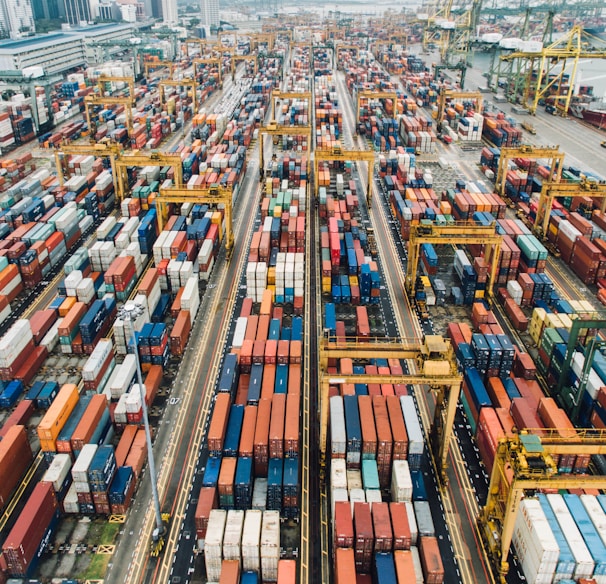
151	65
435	365
276	95
450	95
212	195
274	129
179	83
370	95
99	149
262	38
101	99
138	158
341	47
200	42
551	190
462	233
545	70
337	154
209	61
525	463
550	153
246	58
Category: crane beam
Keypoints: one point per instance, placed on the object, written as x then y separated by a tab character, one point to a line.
431	357
212	195
551	153
551	190
336	154
98	149
137	158
462	233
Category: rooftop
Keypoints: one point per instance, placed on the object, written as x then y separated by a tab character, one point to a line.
13	46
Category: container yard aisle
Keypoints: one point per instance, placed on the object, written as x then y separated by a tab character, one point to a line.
176	441
460	504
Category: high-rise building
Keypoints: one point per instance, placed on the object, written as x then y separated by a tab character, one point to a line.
210	12
169	12
16	17
50	9
78	11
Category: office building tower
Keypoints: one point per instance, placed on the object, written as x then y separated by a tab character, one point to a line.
16	17
210	12
169	11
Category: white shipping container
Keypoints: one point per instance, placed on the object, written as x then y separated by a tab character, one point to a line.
535	543
356	496
416	559
213	545
251	536
120	410
338	474
259	496
337	495
373	496
70	502
14	341
401	481
123	376
413	426
133	401
412	523
583	559
232	537
80	468
354	479
95	362
58	470
338	437
596	514
239	332
270	545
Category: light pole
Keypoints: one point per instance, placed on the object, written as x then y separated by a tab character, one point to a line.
130	312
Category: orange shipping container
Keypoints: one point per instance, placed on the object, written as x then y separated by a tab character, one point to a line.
276	428
345	566
125	443
72	319
431	561
367	424
294	378
261	443
53	421
152	383
138	454
291	425
66	305
398	428
230	572
88	423
227	474
247	437
287	572
218	422
405	567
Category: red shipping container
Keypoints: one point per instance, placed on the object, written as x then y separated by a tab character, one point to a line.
524	416
382	527
207	501
364	537
400	525
23	541
32	365
343	522
15	458
431	560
